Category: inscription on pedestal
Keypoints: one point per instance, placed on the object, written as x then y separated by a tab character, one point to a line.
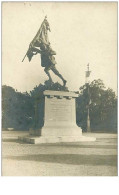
60	115
60	111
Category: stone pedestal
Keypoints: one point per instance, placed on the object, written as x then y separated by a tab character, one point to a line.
59	120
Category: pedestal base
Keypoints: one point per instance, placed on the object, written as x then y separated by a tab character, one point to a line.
54	139
59	120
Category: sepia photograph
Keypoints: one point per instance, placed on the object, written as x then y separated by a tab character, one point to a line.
59	88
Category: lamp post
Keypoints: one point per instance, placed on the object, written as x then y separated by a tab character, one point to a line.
88	92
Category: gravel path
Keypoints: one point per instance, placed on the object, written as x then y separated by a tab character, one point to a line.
63	159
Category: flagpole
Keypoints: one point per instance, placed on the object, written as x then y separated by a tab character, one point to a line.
24	57
88	109
88	115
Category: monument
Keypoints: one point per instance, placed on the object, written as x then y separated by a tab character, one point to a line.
59	120
59	109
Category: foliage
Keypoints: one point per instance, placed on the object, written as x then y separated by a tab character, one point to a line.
102	106
19	109
38	90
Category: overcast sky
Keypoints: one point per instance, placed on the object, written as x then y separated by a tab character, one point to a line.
81	33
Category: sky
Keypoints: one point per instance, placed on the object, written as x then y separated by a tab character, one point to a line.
81	33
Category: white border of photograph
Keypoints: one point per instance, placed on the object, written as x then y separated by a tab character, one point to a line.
59	185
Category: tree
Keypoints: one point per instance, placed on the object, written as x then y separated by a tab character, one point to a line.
103	107
17	109
23	110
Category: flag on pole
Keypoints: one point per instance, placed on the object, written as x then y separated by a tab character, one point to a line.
88	73
42	34
40	40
